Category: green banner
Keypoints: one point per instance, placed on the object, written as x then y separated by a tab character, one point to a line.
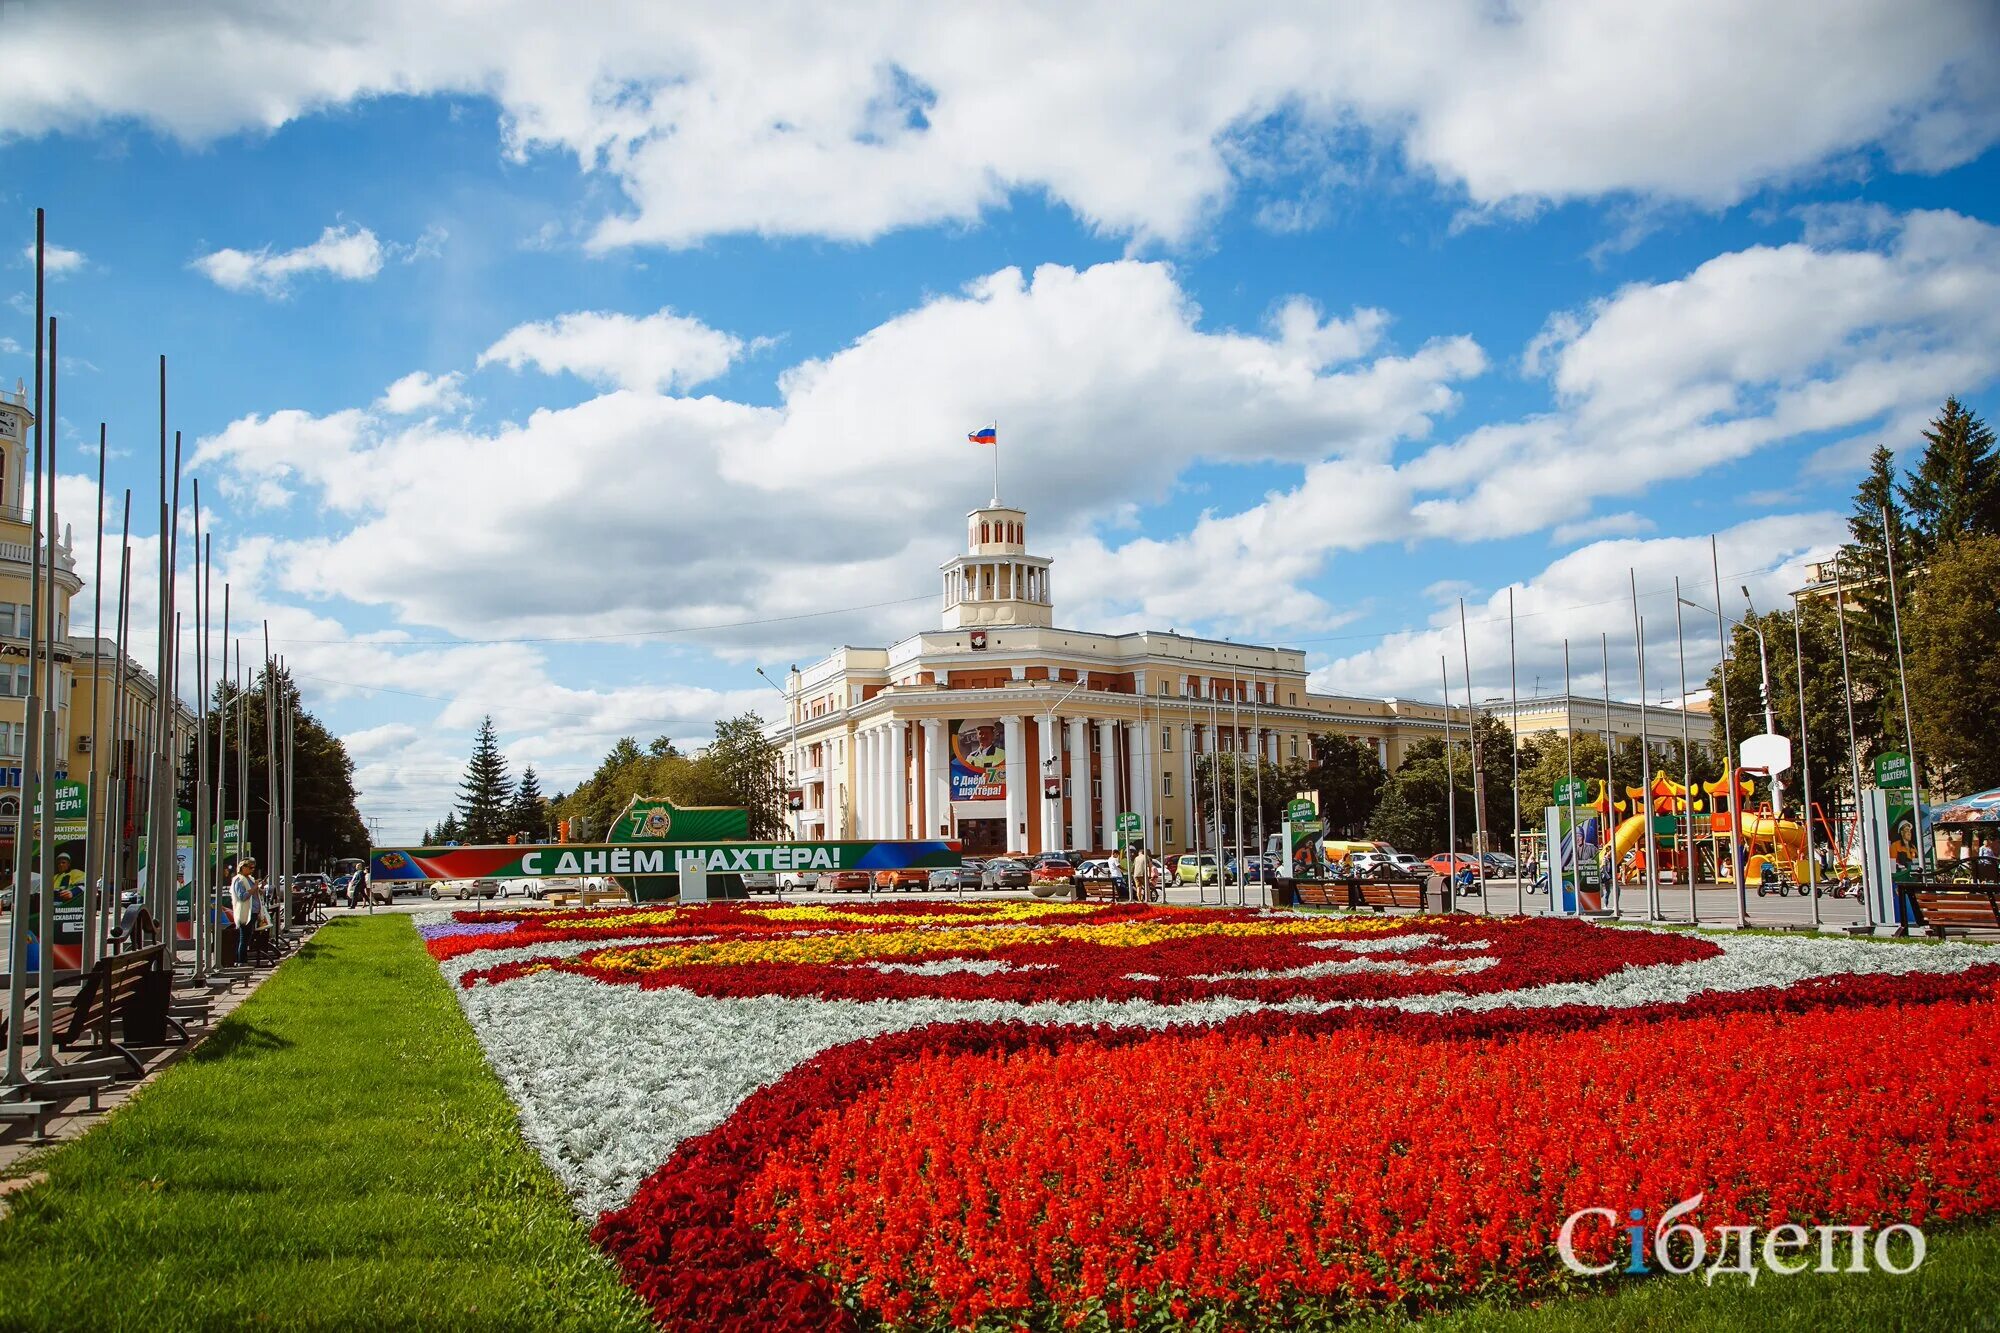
1572	791
567	860
1892	769
1302	812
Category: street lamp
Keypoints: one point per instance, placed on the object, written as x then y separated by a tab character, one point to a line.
792	770
1763	661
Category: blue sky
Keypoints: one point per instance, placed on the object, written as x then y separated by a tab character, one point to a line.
1296	332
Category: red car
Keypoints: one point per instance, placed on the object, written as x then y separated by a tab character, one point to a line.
852	881
1442	864
906	879
1052	870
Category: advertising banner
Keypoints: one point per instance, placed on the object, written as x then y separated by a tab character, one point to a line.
562	860
978	760
72	825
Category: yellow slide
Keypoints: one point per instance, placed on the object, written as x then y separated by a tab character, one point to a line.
1628	834
1788	836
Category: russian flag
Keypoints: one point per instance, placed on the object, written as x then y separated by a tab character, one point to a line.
984	435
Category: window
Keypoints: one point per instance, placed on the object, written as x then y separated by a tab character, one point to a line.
1166	784
1295	747
1168	831
1294	699
1166	740
1096	788
10	737
7	618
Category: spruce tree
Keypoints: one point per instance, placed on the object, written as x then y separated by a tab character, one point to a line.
1955	490
485	793
529	813
1870	625
449	831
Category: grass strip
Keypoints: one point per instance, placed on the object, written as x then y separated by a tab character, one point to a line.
336	1155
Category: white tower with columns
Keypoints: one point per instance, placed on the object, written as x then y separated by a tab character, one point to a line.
996	582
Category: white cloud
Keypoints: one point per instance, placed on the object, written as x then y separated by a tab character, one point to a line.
346	252
658	352
1623	524
853	122
1585	594
420	391
707	509
57	260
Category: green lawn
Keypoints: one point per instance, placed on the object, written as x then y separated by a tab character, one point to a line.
336	1155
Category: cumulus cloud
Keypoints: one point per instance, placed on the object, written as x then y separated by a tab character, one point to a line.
421	391
350	253
708	509
853	122
57	260
656	352
1585	594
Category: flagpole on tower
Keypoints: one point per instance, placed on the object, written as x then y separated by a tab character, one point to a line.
996	462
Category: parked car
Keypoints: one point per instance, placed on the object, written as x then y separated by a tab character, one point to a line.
793	880
1197	868
1256	869
958	878
847	881
1414	864
1502	865
1004	872
906	879
1055	869
1445	864
759	881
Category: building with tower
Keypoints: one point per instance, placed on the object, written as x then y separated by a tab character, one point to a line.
1010	733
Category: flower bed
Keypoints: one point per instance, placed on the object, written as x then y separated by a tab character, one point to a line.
933	1114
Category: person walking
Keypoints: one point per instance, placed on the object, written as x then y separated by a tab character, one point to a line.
243	898
1142	875
357	889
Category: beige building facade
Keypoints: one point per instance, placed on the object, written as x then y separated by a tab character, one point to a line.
1010	733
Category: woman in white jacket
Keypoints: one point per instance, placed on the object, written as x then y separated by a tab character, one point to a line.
243	904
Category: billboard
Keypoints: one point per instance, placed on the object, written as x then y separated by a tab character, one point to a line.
978	760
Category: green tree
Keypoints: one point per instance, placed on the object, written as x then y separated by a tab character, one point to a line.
1826	711
327	822
1413	814
1954	491
485	791
1870	624
1952	629
449	831
529	812
743	765
1347	777
1276	783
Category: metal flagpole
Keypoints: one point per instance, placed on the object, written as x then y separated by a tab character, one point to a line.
1853	746
1236	766
1645	755
243	763
17	964
291	803
1729	745
1902	679
1257	767
1611	888
1569	773
222	702
1478	777
1514	727
121	715
1805	759
1686	822
45	1042
93	849
198	888
270	783
1450	794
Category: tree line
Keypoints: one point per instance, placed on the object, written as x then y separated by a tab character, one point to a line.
740	767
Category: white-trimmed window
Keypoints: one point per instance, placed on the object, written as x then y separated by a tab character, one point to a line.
1168	831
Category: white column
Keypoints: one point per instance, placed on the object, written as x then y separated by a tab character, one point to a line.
1142	779
1382	751
937	777
1107	762
857	782
1017	779
1046	741
1272	753
878	764
899	781
869	783
1079	784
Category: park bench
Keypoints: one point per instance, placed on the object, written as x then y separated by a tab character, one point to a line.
1955	909
115	980
586	897
1321	893
1384	894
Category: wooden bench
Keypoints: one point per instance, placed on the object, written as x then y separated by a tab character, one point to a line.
1384	894
1955	909
588	897
1321	893
1106	889
106	988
